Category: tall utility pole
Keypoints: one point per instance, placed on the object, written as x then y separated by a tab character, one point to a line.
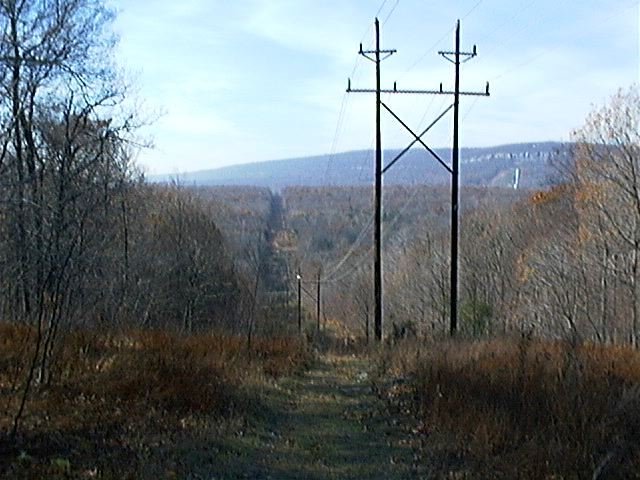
455	195
377	234
299	277
377	265
417	138
455	174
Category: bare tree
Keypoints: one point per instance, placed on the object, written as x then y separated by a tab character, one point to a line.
59	151
607	164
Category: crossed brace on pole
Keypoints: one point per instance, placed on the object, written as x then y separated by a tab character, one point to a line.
317	298
455	58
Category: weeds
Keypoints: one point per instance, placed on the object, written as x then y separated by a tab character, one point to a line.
111	385
531	408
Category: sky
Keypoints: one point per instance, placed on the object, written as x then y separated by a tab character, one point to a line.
238	81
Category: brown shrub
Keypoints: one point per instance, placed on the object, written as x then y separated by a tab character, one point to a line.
134	372
282	355
168	374
533	408
112	394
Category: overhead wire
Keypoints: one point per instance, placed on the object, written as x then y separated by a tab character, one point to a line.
496	30
557	46
381	7
367	226
427	52
466	114
354	245
341	113
471	10
341	117
364	228
432	48
339	125
344	103
369	223
390	13
336	135
386	235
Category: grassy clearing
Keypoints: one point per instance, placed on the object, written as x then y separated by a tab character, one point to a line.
116	399
526	408
325	424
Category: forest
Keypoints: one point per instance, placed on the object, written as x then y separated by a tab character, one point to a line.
148	329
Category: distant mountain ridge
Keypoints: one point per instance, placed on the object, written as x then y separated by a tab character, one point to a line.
485	166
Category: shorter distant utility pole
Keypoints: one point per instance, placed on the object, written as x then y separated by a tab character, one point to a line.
299	303
318	297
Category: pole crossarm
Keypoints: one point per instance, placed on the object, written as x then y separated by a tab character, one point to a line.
416	92
376	59
390	52
416	138
468	55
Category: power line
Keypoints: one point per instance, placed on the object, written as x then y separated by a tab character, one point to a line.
387	237
384	22
473	104
430	50
342	110
342	113
426	110
366	160
471	10
351	250
378	13
336	135
557	46
520	10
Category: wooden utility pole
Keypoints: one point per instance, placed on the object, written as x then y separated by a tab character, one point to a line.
318	297
455	195
455	171
377	265
377	234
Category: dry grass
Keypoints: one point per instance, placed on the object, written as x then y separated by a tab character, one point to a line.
108	385
531	409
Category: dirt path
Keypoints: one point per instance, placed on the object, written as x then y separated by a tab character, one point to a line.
327	424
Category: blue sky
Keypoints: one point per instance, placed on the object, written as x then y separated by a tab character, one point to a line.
239	81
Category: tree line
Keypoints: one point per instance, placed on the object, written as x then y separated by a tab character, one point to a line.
85	242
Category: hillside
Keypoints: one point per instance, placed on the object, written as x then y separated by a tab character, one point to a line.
489	166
